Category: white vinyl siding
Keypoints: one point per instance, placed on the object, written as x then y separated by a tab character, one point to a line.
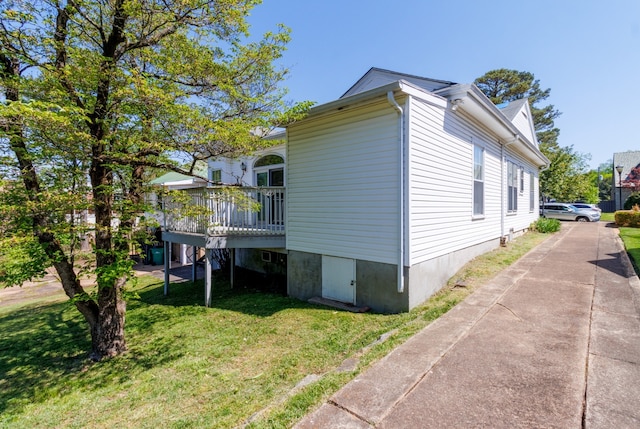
342	184
230	169
522	123
524	216
441	192
478	181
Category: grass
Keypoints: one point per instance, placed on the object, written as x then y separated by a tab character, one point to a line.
188	366
631	239
607	217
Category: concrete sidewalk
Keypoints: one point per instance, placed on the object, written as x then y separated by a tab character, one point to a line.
551	342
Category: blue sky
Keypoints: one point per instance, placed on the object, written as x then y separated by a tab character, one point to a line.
586	51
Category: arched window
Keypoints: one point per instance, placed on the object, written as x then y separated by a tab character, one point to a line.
269	171
269	160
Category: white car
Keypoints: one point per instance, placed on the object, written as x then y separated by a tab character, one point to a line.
564	211
587	206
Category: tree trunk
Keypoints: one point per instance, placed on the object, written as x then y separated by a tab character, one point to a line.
110	339
106	316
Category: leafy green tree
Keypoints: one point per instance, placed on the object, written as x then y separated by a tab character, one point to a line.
97	94
566	177
632	200
605	180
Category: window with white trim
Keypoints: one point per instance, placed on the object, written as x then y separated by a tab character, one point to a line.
512	187
521	180
532	199
478	181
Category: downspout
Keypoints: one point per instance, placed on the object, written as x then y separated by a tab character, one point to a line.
502	187
396	106
540	195
502	183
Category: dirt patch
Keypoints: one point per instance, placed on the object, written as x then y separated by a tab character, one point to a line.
49	286
46	287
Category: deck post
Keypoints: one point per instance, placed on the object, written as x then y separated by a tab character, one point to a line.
194	260
167	266
232	252
207	278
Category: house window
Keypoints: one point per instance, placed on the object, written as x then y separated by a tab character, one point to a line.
512	187
478	181
521	180
532	200
216	176
268	160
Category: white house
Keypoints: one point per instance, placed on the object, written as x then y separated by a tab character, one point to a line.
390	189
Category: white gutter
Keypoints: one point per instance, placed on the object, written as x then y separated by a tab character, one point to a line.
396	106
502	186
504	183
487	113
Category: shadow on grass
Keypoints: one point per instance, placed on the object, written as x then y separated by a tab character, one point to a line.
39	344
255	301
44	349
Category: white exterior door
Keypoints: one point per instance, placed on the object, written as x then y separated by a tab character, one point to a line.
339	279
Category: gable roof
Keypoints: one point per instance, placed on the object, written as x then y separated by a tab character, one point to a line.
377	77
451	96
519	113
628	160
512	109
173	178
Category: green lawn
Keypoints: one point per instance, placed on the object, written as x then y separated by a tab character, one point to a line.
631	239
191	367
607	217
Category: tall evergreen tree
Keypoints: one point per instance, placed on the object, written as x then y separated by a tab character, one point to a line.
566	178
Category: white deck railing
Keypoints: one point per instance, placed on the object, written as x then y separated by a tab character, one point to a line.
226	210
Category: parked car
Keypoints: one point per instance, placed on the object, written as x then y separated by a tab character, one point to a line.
564	211
587	206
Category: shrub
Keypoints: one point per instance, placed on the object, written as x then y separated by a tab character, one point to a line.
545	225
629	218
633	200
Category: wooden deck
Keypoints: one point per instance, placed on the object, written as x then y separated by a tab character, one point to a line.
226	216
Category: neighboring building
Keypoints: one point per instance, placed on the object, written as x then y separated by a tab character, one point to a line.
172	180
390	189
628	161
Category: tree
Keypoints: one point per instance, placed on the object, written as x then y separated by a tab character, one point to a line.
632	181
566	177
96	95
605	180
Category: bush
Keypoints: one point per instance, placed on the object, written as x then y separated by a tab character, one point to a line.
633	200
545	225
629	218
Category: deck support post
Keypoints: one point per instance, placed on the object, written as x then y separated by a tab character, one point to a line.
232	252
207	277
167	266
194	267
